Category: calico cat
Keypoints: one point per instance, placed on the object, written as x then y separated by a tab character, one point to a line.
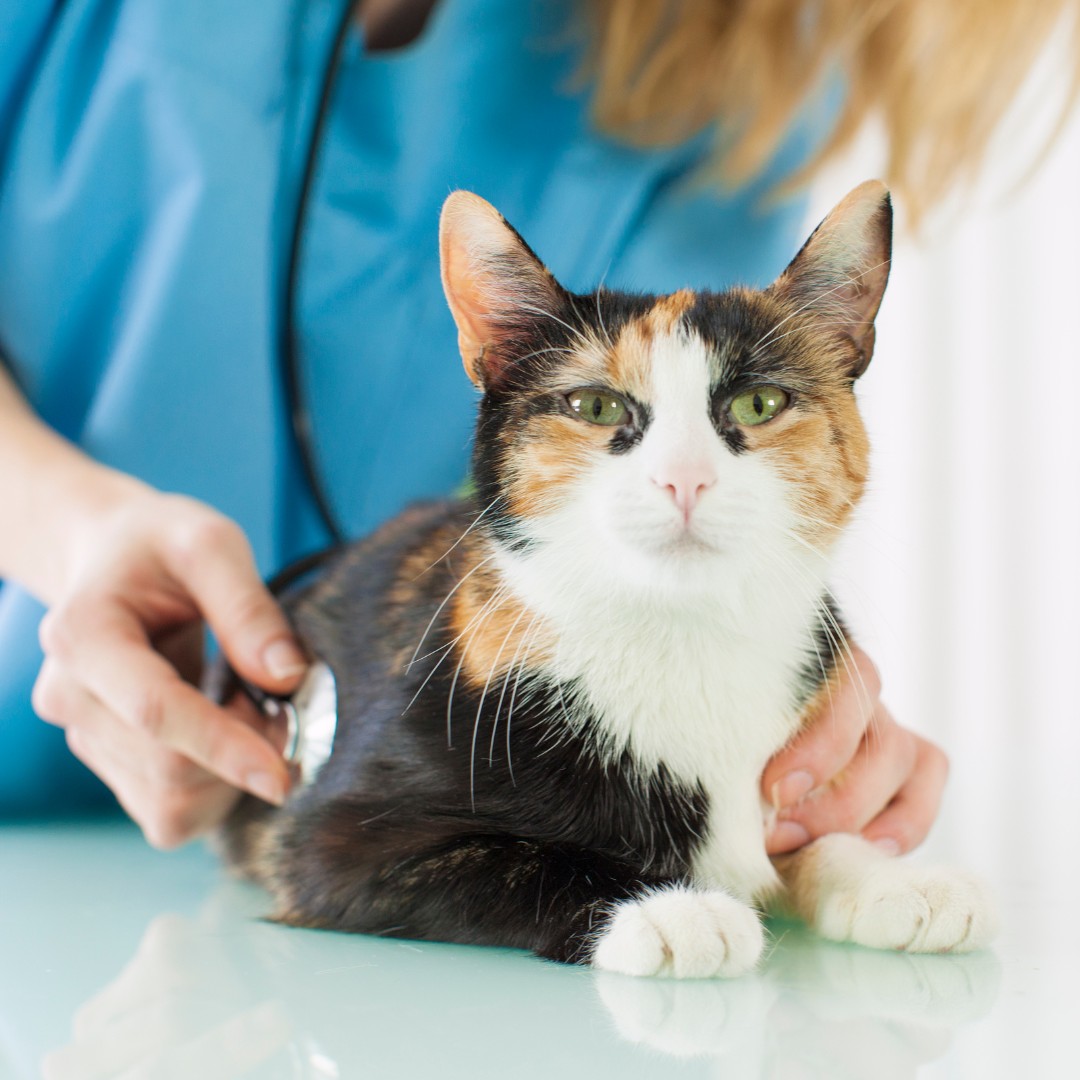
557	696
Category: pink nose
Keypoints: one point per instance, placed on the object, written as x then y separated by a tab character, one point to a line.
685	483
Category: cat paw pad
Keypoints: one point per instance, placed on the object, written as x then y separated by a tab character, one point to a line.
916	910
675	931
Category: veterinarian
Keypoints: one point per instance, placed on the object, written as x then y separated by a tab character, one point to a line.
157	233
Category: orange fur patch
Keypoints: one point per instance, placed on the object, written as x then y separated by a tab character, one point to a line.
668	310
629	363
549	461
822	453
495	631
410	589
629	367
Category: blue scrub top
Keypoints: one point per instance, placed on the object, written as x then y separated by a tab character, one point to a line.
150	159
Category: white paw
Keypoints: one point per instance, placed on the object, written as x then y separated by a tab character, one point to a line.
916	909
675	931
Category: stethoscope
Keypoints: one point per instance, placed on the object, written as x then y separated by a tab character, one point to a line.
289	346
310	714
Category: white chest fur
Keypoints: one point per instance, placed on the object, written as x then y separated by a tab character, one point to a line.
687	686
712	706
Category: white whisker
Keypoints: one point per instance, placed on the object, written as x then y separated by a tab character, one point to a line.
554	318
513	701
493	603
480	707
446	650
506	683
438	610
475	522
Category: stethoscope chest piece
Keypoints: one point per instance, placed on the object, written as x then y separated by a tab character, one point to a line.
310	720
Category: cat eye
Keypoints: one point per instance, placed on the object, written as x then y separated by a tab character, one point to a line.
757	405
598	407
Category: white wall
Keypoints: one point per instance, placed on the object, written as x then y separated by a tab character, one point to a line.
963	575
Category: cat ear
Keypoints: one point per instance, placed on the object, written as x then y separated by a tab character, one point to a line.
842	269
491	279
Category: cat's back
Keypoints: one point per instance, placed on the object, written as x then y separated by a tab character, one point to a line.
367	602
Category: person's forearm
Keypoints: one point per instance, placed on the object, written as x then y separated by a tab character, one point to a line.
49	490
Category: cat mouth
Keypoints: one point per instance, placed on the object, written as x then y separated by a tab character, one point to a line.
702	538
689	543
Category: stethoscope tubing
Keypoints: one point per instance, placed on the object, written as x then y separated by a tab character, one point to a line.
290	349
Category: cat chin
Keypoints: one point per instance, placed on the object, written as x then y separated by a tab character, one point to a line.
684	571
680	556
691	547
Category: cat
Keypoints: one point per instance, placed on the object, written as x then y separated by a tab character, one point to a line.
557	695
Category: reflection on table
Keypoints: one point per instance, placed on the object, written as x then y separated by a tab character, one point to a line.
223	995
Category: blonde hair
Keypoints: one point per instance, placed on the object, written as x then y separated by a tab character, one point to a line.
939	74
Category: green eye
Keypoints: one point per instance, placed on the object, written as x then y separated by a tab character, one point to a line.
755	406
598	407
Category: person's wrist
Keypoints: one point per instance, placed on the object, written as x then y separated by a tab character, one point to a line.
56	495
91	501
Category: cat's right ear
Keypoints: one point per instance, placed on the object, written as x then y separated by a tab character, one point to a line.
491	278
842	270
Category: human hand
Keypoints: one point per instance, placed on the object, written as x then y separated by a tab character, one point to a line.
855	770
122	645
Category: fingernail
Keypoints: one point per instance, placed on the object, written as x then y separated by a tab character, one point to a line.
787	836
887	845
283	660
791	788
267	786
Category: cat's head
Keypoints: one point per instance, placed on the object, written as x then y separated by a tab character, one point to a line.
668	440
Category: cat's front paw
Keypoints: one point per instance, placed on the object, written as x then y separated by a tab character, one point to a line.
912	908
680	932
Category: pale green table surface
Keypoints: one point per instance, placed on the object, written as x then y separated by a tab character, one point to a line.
118	961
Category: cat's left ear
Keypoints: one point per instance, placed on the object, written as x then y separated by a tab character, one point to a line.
842	270
493	282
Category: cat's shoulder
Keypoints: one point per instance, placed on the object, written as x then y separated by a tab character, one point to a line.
406	539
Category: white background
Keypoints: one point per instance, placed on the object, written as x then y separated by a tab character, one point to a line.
962	574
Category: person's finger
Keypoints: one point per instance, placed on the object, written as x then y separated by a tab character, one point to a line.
274	729
58	699
104	647
184	646
168	816
51	697
831	739
905	822
69	705
211	558
855	797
